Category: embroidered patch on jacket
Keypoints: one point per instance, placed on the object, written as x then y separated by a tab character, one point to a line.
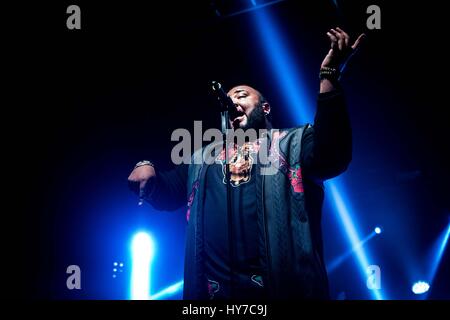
241	162
294	173
295	176
213	288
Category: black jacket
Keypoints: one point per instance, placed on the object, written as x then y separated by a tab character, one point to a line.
289	204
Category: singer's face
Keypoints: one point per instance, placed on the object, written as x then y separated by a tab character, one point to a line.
246	100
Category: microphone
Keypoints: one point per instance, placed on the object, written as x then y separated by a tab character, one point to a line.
141	197
225	102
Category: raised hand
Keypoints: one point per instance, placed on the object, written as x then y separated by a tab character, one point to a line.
341	48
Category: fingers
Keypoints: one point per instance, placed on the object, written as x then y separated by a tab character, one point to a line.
340	51
138	187
340	38
345	35
142	186
358	41
334	40
136	183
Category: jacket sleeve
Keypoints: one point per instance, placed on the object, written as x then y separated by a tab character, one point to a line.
327	145
168	189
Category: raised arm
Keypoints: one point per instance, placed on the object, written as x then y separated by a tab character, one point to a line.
327	145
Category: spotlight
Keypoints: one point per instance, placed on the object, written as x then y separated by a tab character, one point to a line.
420	287
115	264
143	251
377	230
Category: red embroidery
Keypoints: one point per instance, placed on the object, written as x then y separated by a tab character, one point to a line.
191	199
295	176
294	173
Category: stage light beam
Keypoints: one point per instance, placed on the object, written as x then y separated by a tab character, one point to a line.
440	246
142	255
339	260
169	291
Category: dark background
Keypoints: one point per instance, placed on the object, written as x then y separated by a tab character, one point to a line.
88	104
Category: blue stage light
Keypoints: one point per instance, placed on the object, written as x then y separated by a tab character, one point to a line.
438	250
377	230
143	251
420	287
350	229
331	266
284	68
169	291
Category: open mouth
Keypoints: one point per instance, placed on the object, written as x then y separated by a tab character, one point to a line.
237	116
238	119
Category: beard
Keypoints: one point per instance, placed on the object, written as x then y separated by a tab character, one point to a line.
256	119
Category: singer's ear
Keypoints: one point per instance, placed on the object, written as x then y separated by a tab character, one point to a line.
266	108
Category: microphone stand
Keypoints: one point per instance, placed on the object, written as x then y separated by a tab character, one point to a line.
224	115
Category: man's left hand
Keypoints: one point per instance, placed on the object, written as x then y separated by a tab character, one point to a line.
341	48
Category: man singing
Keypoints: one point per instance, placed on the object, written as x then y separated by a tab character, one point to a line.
276	221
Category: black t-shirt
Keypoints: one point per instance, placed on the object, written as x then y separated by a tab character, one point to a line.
247	275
